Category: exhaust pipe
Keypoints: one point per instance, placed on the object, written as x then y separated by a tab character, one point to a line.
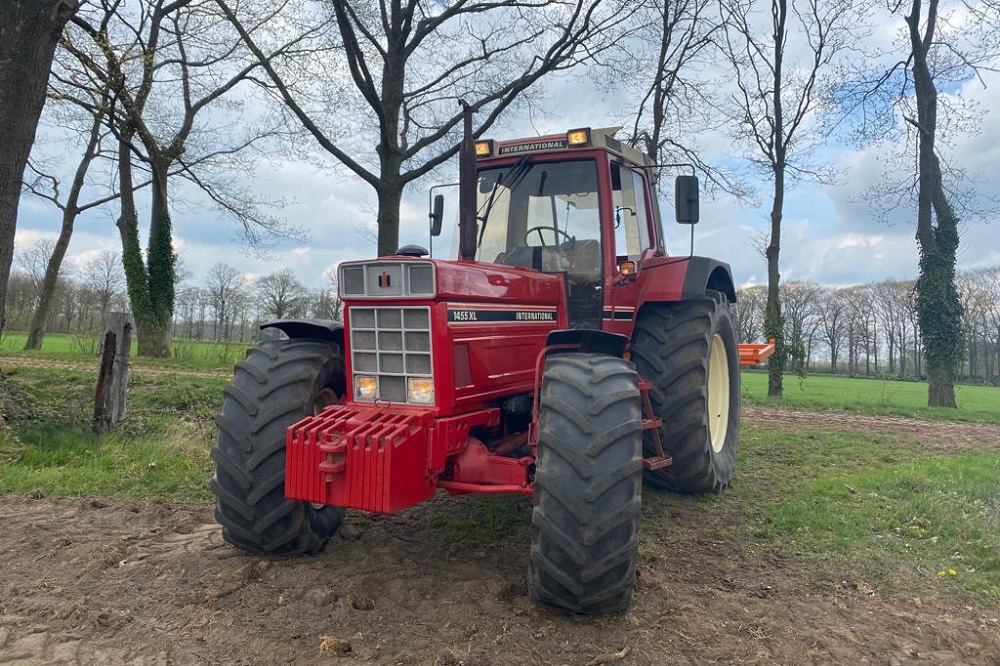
467	223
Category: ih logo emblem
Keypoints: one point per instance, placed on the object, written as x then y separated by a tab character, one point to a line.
383	279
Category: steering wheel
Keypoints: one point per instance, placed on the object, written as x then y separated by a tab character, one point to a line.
556	233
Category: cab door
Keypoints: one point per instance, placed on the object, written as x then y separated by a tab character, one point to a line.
634	242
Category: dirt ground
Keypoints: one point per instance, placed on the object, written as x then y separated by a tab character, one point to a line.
96	581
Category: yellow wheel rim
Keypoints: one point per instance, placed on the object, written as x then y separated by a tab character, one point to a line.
718	393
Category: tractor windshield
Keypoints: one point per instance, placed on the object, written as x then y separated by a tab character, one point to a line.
547	205
543	215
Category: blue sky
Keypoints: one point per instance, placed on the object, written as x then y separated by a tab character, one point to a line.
830	235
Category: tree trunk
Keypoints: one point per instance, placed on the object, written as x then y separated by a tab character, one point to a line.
160	265
147	281
70	210
29	31
40	317
390	197
939	309
774	322
154	339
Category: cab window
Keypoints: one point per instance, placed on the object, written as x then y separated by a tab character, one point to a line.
631	216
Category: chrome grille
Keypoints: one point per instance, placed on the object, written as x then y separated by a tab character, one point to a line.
392	344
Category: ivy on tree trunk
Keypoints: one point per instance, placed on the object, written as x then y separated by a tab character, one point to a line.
939	310
150	282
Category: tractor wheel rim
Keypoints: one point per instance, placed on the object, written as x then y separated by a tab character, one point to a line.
718	393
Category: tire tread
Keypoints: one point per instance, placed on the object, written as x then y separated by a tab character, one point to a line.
588	481
272	388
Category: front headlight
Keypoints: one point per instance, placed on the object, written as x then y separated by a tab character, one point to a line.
420	390
365	388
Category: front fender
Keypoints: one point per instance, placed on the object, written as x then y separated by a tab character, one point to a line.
313	329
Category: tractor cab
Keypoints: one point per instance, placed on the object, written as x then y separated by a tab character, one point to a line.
573	204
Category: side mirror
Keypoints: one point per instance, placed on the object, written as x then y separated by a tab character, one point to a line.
686	199
437	214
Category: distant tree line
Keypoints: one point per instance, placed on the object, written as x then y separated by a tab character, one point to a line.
227	306
871	329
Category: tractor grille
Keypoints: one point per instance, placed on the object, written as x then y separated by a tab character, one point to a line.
392	344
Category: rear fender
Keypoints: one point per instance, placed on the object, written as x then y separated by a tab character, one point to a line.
672	279
704	275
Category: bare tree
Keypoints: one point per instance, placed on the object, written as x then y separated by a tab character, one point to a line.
980	296
857	317
164	63
749	310
410	63
29	31
664	67
946	44
988	281
20	299
774	108
188	313
327	303
800	302
832	314
282	295
33	261
223	285
894	305
105	278
47	187
938	308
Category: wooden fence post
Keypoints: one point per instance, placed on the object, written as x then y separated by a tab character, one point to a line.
112	373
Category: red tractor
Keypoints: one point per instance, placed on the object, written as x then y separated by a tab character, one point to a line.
563	356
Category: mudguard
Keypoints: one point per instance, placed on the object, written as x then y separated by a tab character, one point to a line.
705	274
589	341
314	329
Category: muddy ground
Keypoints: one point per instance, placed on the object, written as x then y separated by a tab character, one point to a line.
97	581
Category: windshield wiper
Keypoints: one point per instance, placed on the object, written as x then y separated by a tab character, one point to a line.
513	178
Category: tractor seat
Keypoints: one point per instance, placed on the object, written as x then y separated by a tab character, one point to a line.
585	259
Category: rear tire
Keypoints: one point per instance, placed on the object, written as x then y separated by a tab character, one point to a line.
588	485
688	351
279	383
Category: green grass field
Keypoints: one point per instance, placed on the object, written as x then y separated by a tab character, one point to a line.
874	508
830	506
874	396
84	348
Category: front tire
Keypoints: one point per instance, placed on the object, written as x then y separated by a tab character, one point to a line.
588	485
280	382
688	351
